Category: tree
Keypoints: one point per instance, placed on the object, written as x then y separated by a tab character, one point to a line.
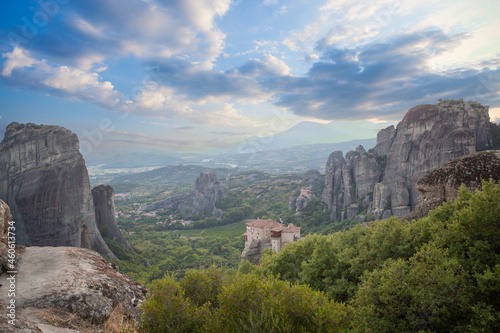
166	309
426	292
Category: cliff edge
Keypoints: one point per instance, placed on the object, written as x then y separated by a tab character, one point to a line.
44	180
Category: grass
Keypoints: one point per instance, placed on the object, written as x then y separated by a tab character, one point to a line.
230	230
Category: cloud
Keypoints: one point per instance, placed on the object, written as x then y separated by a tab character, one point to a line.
86	33
16	59
345	24
160	101
202	85
169	141
268	66
384	79
21	69
270	2
186	128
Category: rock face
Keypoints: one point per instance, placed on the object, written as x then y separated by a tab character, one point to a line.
70	287
443	183
384	178
207	189
65	289
104	204
310	180
44	180
254	251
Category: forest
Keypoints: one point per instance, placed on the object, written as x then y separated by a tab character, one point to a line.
437	274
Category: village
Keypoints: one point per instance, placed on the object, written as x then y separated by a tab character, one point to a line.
138	215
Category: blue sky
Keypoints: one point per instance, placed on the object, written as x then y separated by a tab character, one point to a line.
194	75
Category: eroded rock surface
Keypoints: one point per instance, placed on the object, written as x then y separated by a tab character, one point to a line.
71	282
44	180
384	178
64	289
443	183
104	204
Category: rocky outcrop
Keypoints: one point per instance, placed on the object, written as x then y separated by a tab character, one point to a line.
332	195
44	180
310	180
104	204
444	183
348	191
253	252
383	179
207	190
64	288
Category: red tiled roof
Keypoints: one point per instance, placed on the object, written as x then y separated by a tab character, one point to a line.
273	225
290	229
264	224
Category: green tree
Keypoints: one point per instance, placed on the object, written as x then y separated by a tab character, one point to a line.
166	309
425	293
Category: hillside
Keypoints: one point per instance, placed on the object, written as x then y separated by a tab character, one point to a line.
436	274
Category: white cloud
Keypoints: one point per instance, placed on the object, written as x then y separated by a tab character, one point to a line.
283	10
17	59
203	12
22	68
160	101
347	23
270	2
96	30
278	66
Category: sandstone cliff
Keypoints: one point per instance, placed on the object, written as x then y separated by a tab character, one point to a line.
44	180
104	204
381	182
207	189
443	183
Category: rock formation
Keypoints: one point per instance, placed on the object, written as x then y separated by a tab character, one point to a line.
44	180
253	251
207	189
310	180
104	204
443	183
64	289
381	182
70	287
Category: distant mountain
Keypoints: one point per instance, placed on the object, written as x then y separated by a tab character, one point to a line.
310	133
121	159
295	159
178	175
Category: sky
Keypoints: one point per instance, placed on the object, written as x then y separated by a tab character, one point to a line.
190	76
